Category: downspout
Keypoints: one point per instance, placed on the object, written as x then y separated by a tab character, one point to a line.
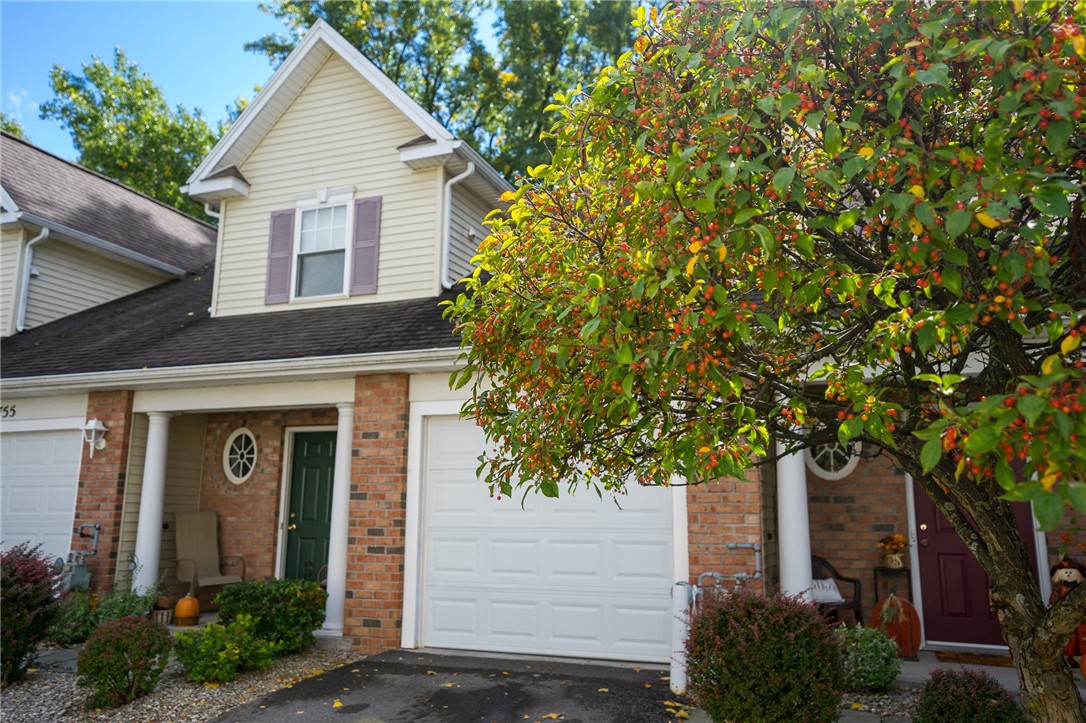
28	264
209	212
446	242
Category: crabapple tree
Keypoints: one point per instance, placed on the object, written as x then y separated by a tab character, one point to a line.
807	222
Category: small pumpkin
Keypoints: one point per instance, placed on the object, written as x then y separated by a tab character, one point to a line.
187	611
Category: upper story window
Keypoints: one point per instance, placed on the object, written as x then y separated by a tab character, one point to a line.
322	251
326	246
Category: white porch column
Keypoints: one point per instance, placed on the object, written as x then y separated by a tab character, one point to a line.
793	532
152	494
337	542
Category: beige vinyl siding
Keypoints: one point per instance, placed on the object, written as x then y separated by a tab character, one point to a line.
11	244
468	211
71	279
338	132
183	472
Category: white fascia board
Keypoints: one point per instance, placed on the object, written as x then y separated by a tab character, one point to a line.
7	203
101	244
217	189
408	362
484	169
435	150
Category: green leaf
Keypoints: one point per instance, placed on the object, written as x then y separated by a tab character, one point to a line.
1076	493
745	215
982	441
1057	135
1048	507
549	488
931	453
952	280
1031	406
937	74
788	102
853	166
1051	201
833	138
958	221
782	180
624	355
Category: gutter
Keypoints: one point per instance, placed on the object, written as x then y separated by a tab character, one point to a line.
446	241
305	368
102	244
24	276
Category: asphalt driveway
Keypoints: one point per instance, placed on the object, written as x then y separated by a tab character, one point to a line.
409	687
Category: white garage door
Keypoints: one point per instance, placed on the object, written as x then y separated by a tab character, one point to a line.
39	476
574	576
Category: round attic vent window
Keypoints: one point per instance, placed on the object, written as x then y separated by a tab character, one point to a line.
239	455
830	461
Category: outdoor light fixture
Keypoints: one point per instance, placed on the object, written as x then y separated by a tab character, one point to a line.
94	434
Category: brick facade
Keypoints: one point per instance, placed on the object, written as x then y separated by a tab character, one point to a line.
249	512
723	511
101	485
375	542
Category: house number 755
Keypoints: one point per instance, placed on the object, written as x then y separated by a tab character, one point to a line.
7	411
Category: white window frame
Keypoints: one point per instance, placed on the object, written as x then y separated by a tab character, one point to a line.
323	198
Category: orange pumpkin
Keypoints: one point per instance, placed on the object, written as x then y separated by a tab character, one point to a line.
899	619
187	611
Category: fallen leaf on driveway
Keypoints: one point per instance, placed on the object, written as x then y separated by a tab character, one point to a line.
603	690
637	670
681	714
430	672
648	685
552	716
336	703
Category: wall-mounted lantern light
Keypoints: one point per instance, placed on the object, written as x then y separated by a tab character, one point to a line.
94	434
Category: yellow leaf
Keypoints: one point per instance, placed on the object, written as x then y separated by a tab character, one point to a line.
603	690
336	703
552	716
1049	481
682	714
917	191
695	247
1069	344
987	221
648	685
916	227
1078	42
640	44
430	672
212	685
722	252
690	265
508	196
1049	364
866	151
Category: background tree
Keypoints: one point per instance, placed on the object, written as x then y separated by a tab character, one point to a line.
12	126
434	51
123	128
811	222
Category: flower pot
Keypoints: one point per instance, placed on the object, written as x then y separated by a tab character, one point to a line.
162	616
894	560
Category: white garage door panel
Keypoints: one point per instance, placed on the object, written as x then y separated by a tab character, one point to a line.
39	474
572	576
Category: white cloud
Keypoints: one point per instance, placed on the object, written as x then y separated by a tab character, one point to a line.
15	102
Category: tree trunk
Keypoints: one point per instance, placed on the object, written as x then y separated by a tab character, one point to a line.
1034	635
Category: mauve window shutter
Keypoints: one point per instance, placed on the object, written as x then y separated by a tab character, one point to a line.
280	250
367	236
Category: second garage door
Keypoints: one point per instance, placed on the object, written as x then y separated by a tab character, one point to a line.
40	476
576	576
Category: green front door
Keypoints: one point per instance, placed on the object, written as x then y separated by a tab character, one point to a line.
309	520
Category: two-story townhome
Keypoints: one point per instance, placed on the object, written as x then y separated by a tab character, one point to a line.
298	387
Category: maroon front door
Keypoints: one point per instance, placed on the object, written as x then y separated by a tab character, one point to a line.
953	587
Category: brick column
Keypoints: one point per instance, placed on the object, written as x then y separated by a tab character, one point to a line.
722	511
101	485
375	543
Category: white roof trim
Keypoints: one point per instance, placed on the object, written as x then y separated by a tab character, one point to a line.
309	368
216	189
7	203
320	33
101	244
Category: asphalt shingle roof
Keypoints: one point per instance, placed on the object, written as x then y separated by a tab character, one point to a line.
169	326
68	194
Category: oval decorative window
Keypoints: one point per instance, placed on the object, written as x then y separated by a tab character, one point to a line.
239	455
830	461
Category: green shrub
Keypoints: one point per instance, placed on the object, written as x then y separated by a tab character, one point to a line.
756	658
966	696
122	602
123	660
76	619
215	653
869	657
285	612
28	607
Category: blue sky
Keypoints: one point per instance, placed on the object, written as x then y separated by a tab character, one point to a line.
192	50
